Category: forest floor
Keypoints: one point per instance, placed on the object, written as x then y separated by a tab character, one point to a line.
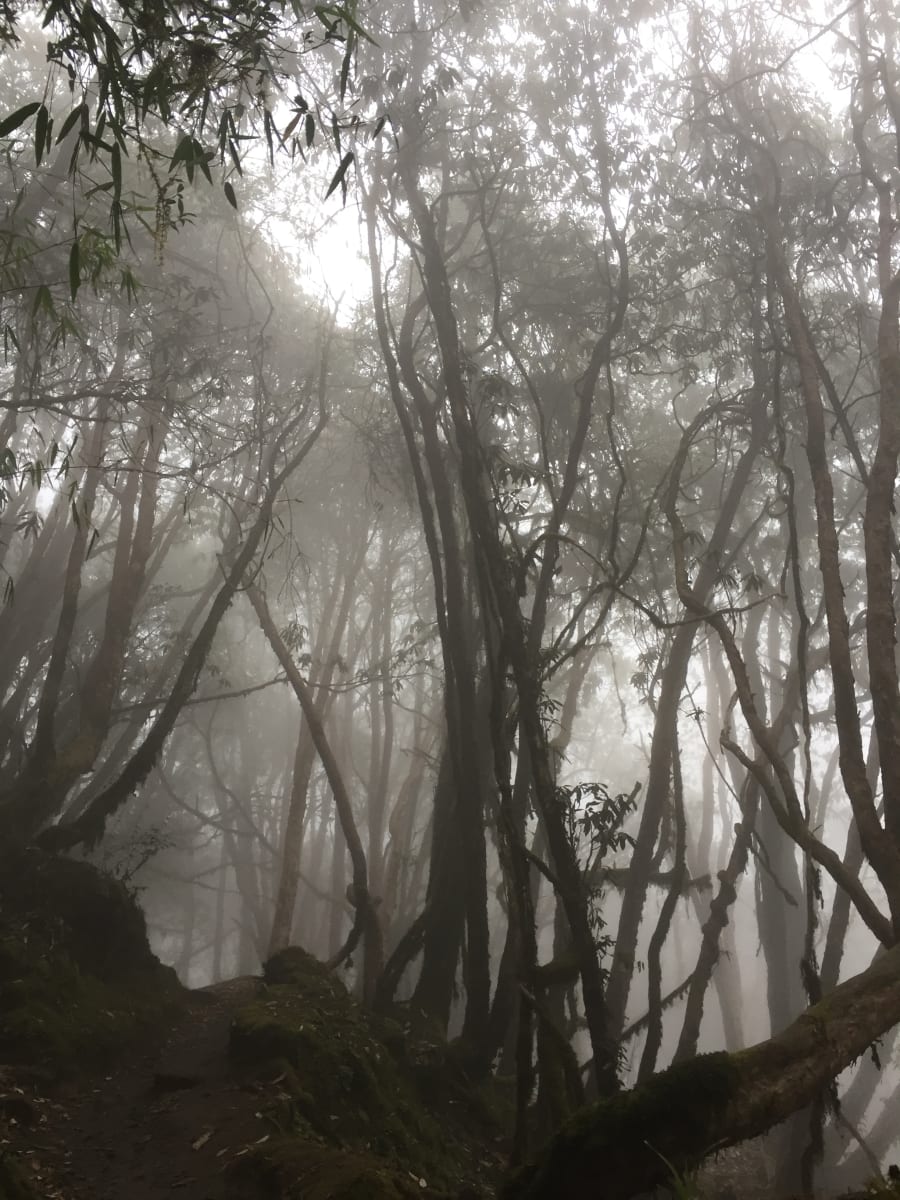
174	1115
118	1084
165	1120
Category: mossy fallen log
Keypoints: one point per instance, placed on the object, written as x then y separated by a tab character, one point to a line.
632	1143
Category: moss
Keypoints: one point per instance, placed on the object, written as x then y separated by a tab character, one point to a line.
341	1078
77	978
665	1116
884	1189
292	1169
73	904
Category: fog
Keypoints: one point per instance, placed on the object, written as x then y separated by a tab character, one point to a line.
447	520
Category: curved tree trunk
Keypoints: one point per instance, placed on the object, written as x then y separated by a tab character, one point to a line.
630	1143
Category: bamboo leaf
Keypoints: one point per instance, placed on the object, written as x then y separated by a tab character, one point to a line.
14	120
75	268
41	133
79	113
338	177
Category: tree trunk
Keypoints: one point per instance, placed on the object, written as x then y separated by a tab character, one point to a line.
366	924
630	1144
445	913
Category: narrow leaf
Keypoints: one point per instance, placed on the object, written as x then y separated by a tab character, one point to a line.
79	113
41	132
339	174
229	195
115	163
14	120
345	67
74	268
182	152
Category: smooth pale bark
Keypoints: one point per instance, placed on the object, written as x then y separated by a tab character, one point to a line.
878	523
29	800
443	920
660	933
880	845
399	856
779	787
366	924
453	592
630	1143
90	826
500	579
656	797
715	925
327	648
167	666
291	847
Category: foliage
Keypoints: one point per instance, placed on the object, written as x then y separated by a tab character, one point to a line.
181	89
595	821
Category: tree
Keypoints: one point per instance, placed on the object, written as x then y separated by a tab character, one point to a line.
604	499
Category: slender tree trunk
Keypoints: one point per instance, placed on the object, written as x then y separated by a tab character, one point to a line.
628	1145
445	912
366	924
90	825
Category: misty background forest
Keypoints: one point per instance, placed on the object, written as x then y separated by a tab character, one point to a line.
447	468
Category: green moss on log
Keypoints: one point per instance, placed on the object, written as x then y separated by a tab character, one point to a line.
679	1106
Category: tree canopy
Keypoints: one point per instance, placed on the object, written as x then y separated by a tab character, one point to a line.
523	637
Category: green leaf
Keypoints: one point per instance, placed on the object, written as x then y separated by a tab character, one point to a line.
345	65
338	177
42	300
14	120
270	133
115	164
41	133
10	339
79	113
75	268
183	152
310	128
342	12
229	195
115	212
129	285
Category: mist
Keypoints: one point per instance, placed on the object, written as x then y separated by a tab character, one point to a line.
447	525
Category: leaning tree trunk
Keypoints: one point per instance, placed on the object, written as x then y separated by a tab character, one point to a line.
631	1143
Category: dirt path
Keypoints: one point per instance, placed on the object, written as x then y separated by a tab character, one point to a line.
164	1122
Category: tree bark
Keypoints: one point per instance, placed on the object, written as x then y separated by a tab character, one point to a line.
366	924
90	826
630	1144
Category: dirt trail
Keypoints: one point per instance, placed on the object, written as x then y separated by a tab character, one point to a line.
165	1121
